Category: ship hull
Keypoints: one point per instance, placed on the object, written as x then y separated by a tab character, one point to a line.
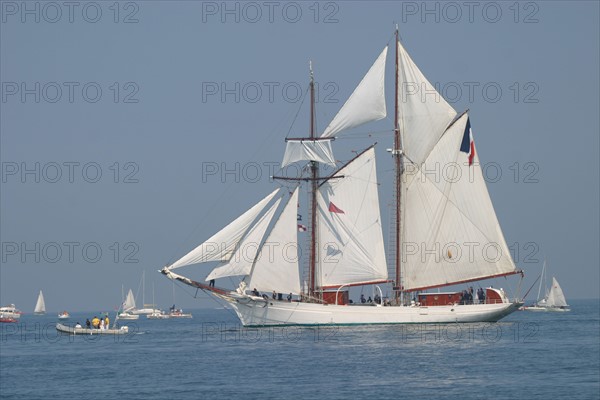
258	312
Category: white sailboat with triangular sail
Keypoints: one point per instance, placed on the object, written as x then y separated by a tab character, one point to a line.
128	307
40	305
433	221
554	298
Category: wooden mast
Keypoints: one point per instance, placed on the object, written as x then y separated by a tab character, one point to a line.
397	153
314	172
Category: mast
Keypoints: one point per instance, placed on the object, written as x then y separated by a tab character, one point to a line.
314	172
397	154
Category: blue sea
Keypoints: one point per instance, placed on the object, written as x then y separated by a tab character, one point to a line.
526	356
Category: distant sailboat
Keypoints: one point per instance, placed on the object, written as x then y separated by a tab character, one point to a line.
40	306
554	299
147	308
128	307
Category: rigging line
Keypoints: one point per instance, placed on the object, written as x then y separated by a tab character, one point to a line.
297	112
185	289
363	133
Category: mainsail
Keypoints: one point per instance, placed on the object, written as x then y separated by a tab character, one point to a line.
349	225
221	246
450	232
556	297
276	266
40	305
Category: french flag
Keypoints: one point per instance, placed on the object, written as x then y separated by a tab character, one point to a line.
467	145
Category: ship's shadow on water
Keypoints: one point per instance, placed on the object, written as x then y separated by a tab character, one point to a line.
212	352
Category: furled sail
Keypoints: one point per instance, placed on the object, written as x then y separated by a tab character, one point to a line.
556	297
276	267
40	305
365	104
245	254
349	225
423	112
308	150
221	245
129	303
450	232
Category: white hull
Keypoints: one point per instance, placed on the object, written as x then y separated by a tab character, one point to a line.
180	315
128	316
158	316
546	309
142	311
254	311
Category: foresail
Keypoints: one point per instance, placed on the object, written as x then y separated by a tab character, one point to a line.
365	104
450	231
349	226
423	112
308	150
220	246
556	297
276	267
245	254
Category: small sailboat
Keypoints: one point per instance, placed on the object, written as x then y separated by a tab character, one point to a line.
146	308
64	315
128	307
40	305
553	300
156	313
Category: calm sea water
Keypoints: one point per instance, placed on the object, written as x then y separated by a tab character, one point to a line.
528	355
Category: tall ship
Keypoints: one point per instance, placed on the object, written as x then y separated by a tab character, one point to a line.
445	231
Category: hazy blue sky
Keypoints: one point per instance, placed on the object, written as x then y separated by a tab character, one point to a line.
116	111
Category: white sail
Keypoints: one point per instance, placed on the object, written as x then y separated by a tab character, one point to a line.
245	254
40	305
423	112
556	297
308	150
365	104
276	267
129	303
220	246
349	226
450	230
